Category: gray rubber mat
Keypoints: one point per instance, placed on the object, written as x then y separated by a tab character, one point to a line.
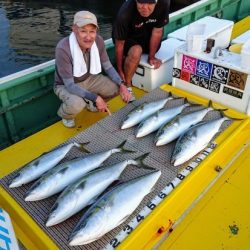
103	135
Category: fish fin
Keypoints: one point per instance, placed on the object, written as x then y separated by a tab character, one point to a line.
140	160
123	150
170	95
80	146
185	100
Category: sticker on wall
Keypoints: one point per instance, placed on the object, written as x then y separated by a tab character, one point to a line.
185	76
189	64
219	74
214	86
233	92
204	83
237	79
176	73
194	79
204	69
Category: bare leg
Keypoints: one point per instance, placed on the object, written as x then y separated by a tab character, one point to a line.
131	62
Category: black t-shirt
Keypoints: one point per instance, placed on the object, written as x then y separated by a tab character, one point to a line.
130	25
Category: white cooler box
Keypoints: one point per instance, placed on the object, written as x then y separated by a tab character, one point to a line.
148	78
218	29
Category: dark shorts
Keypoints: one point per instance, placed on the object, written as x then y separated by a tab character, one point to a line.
144	44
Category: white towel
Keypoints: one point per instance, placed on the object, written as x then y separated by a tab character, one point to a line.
79	65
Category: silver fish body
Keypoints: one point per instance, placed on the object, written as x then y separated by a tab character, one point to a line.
84	192
65	174
195	139
142	112
40	165
173	129
112	209
157	120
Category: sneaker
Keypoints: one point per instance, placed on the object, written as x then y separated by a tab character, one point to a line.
91	106
132	94
69	123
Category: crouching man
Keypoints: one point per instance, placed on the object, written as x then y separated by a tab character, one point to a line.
80	59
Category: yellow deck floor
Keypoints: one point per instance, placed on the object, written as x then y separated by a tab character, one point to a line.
203	224
220	219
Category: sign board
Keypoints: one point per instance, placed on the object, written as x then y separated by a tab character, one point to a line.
7	236
219	79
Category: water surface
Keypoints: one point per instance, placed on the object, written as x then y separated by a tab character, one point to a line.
31	29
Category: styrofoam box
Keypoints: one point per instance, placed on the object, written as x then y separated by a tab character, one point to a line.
148	78
218	29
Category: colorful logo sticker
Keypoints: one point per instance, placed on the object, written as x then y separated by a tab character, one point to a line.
233	92
204	69
194	79
189	64
185	76
219	74
214	86
176	73
237	79
204	83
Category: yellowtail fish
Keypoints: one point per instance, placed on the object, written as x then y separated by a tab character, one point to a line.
40	165
67	173
181	123
143	111
112	209
157	120
85	191
195	139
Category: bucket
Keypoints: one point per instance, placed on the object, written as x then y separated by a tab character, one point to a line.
195	37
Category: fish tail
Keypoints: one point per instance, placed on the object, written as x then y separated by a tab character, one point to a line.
124	150
229	117
210	104
139	160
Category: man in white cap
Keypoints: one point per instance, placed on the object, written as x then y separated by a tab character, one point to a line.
80	59
138	29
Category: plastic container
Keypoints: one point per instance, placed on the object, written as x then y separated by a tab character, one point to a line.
195	37
218	29
245	55
148	78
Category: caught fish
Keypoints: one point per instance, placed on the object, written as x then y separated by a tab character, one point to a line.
157	120
143	111
67	173
112	209
40	165
85	191
181	123
195	139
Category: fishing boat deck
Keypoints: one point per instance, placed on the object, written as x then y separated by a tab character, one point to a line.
221	209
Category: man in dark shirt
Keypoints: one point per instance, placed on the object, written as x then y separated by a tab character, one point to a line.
138	29
80	59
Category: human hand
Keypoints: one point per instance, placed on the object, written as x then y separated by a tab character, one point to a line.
124	93
102	105
155	62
